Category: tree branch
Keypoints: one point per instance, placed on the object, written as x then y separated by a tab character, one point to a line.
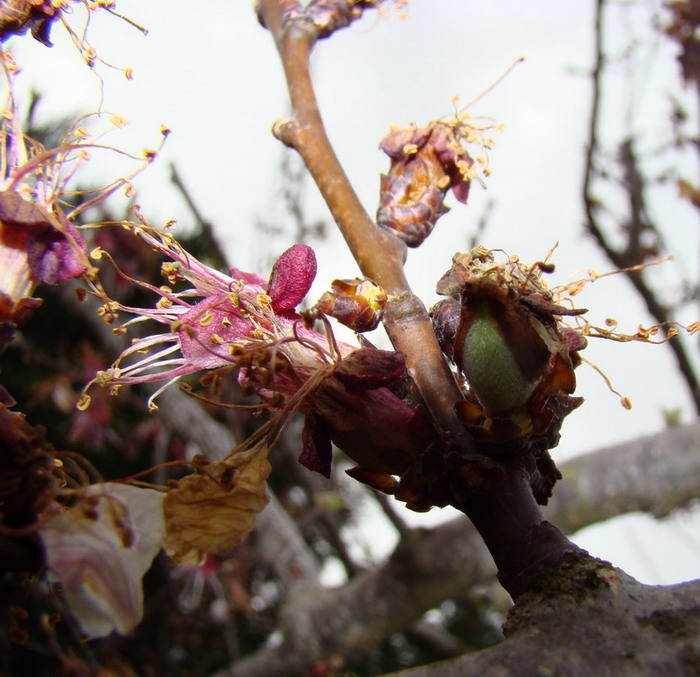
653	474
379	254
611	620
505	526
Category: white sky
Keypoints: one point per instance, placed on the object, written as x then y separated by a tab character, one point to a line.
213	77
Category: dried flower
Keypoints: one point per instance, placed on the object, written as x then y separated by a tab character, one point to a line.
503	328
359	398
425	163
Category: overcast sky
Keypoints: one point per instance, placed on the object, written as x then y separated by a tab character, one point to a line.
213	77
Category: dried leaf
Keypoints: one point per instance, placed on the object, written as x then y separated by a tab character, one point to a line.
100	549
214	509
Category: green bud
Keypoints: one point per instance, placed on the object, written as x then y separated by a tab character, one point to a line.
498	348
490	367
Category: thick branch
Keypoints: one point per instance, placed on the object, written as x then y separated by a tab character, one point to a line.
614	626
653	474
523	543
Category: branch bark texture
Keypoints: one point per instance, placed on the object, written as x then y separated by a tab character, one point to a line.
614	626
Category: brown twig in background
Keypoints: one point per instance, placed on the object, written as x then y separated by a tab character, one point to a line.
387	506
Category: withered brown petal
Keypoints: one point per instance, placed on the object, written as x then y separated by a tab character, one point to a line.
379	481
542	306
214	509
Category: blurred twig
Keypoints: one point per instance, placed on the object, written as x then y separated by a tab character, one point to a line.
209	242
637	224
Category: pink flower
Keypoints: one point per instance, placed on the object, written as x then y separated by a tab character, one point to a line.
219	321
38	244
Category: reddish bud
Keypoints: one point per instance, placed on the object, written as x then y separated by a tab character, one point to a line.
291	278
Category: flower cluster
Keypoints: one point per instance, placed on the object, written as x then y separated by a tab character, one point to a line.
361	399
503	329
39	241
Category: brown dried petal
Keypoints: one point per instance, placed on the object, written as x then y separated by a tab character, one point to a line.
357	304
214	509
425	164
545	308
410	203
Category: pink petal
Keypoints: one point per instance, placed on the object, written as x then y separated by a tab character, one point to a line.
216	324
100	569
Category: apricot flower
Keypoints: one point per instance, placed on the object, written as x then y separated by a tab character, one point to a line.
231	318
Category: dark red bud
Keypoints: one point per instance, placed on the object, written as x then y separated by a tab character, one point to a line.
291	278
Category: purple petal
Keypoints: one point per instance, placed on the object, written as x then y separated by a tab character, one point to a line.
369	368
53	258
